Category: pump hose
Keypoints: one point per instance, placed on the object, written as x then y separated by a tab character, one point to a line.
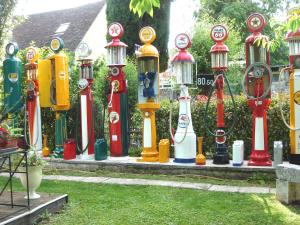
25	130
52	84
81	151
252	66
170	121
280	99
111	96
207	104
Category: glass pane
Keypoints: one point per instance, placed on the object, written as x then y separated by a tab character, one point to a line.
187	69
213	60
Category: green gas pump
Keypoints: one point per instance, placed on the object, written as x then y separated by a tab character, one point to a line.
12	70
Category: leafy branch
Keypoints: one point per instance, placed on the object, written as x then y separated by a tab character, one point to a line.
143	6
280	29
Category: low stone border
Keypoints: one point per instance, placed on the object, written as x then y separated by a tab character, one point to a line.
129	165
175	184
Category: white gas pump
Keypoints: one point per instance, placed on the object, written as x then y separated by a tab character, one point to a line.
185	137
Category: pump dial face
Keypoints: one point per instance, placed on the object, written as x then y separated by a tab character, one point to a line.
182	41
12	48
115	30
83	50
256	22
83	83
115	71
219	33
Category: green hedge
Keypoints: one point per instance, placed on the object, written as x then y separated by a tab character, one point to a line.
242	129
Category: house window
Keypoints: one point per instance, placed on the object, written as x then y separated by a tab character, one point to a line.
62	28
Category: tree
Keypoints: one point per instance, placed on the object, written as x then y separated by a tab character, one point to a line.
238	11
6	8
117	10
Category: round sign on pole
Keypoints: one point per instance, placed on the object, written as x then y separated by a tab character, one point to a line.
219	33
147	35
83	50
115	30
182	41
256	22
12	48
32	55
56	44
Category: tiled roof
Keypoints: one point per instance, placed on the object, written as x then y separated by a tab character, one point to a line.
41	27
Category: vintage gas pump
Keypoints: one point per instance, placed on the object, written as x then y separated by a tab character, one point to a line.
12	70
219	64
33	102
293	39
185	137
86	100
54	90
118	97
148	92
256	86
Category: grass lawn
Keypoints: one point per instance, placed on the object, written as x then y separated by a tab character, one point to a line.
114	204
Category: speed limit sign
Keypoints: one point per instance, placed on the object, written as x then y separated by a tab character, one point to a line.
219	33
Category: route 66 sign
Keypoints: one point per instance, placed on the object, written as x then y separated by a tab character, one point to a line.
219	33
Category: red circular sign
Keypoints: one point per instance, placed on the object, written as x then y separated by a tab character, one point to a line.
115	30
219	33
183	41
256	22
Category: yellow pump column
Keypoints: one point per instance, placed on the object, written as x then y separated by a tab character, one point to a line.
148	92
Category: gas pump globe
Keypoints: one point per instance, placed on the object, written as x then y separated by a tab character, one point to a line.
85	82
219	51
185	137
183	61
118	97
256	85
33	102
148	92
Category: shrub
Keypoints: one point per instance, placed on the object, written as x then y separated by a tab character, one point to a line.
241	131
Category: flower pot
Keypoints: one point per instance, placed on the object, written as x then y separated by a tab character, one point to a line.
34	180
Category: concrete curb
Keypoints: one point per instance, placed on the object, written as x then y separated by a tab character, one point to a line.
146	182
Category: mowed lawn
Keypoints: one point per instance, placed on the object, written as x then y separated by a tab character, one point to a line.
116	204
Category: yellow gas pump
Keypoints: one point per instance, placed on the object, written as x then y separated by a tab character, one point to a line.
148	92
293	78
54	90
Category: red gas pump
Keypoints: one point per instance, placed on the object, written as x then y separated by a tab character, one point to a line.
219	64
85	83
256	86
118	100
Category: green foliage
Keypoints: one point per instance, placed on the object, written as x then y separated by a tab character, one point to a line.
6	9
143	6
33	159
238	11
118	11
241	131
